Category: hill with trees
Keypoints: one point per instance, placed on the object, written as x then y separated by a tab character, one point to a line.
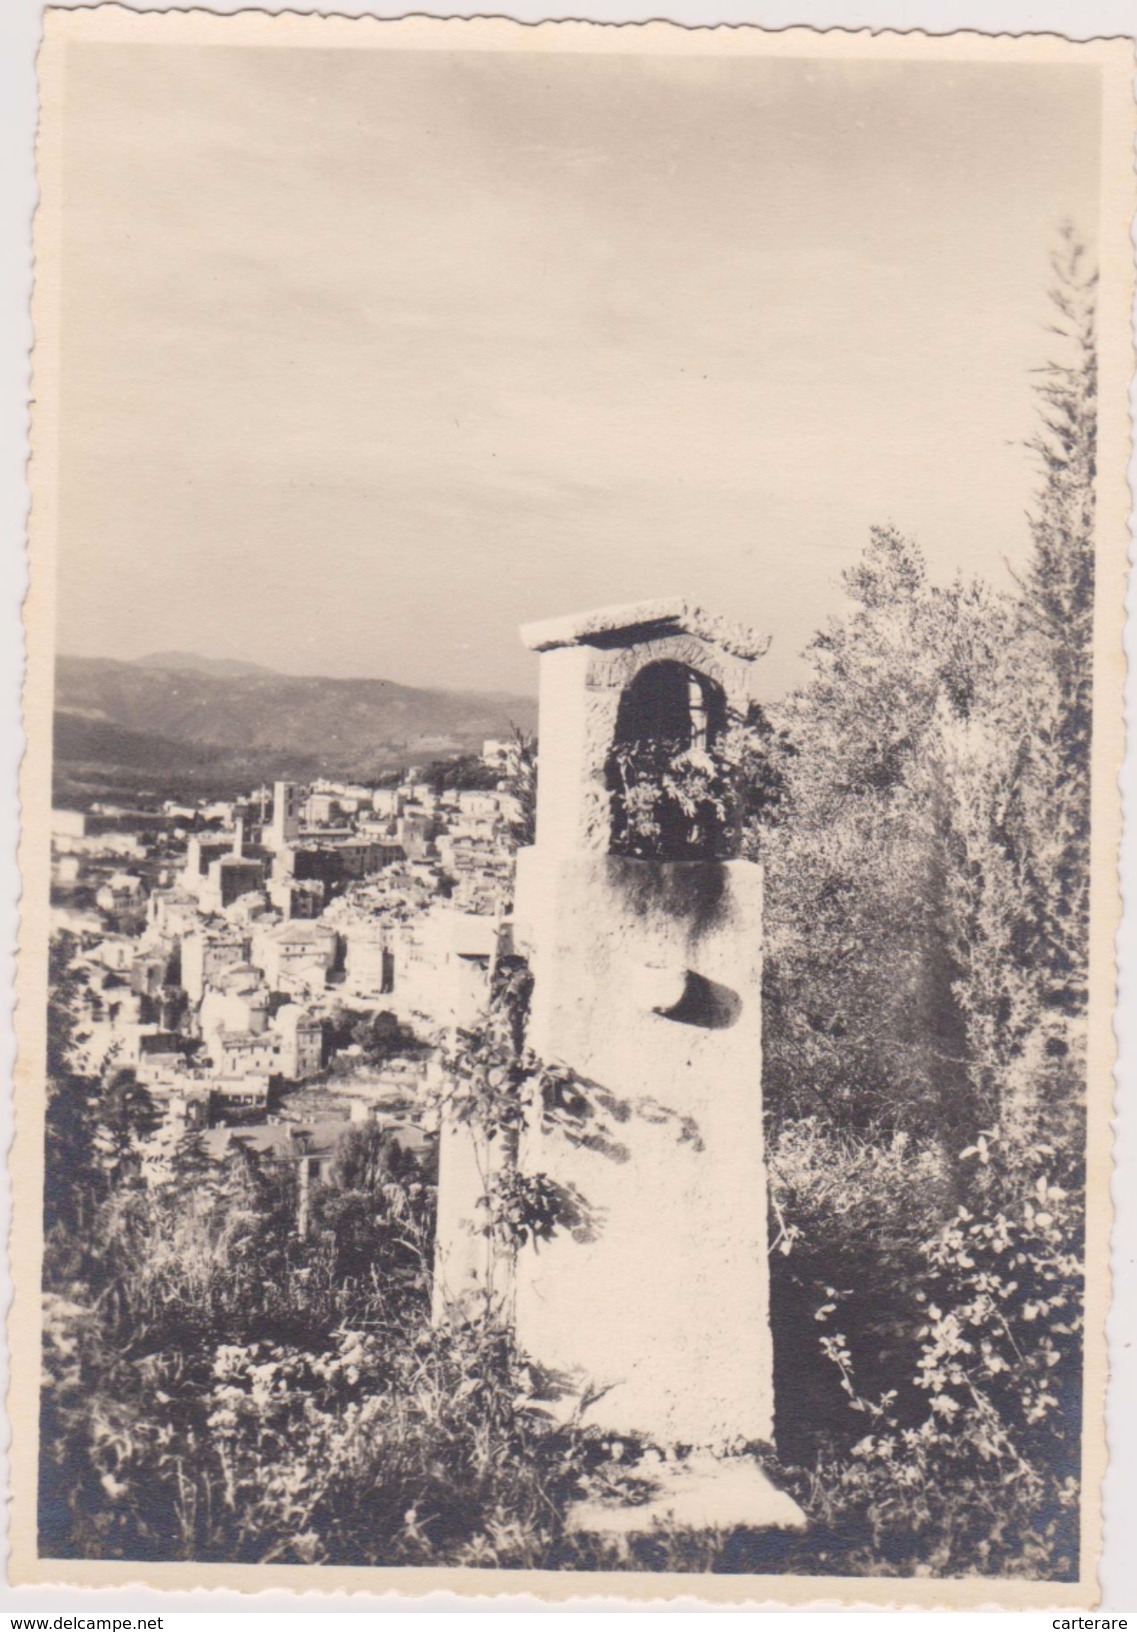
176	722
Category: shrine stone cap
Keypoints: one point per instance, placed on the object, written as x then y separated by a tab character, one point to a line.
644	620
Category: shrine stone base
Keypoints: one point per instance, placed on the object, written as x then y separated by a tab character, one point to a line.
702	1492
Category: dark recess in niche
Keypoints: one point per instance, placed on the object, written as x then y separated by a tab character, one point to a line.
705	1003
662	807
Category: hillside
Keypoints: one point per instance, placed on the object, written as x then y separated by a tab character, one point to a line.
194	663
150	725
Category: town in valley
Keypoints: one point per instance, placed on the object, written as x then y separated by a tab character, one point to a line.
275	969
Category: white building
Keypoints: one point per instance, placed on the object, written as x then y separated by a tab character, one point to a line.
300	1043
207	953
285	826
122	893
442	966
296	957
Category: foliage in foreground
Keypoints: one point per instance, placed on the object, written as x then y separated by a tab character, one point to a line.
219	1390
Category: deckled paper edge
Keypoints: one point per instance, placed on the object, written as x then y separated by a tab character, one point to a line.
1115	59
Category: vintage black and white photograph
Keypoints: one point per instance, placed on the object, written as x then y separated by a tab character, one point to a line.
570	818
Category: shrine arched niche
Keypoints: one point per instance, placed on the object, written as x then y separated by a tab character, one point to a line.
664	781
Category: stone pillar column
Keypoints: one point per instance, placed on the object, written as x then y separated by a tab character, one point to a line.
649	1304
653	1298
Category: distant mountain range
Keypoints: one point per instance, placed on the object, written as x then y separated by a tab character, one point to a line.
175	722
194	663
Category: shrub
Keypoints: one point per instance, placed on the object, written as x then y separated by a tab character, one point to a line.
849	1218
953	1347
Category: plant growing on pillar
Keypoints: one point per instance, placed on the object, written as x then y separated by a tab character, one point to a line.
669	801
524	1207
521	782
489	1072
494	1083
674	800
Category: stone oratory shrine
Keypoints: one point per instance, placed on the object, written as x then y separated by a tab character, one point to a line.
644	939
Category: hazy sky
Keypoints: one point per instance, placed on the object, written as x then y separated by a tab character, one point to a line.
370	356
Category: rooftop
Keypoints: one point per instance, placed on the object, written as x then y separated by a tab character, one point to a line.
643	620
295	1139
301	931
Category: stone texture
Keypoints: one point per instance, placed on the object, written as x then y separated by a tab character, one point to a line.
640	620
655	1301
701	1493
470	1278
